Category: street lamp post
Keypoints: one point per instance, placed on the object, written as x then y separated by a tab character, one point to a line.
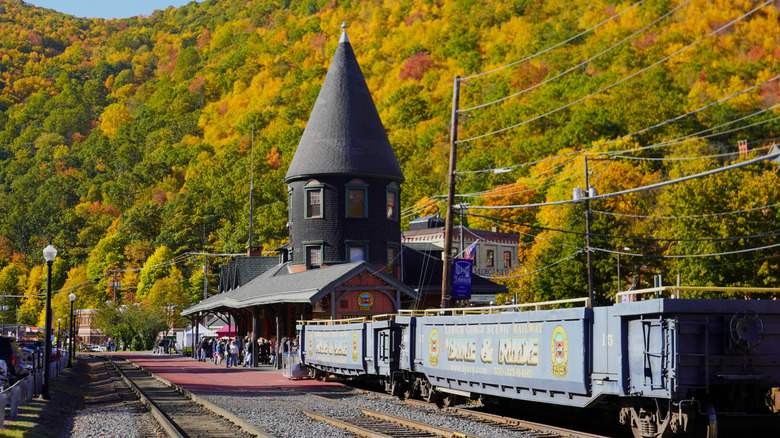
59	332
49	253
71	349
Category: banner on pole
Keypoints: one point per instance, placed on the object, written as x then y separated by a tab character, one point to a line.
461	279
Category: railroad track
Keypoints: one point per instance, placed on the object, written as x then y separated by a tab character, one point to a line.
180	413
527	428
381	425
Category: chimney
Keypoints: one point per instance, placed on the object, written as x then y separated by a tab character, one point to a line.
254	251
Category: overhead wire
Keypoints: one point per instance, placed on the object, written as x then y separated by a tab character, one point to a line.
637	189
694	136
497	192
537	270
656	256
635	238
555	46
620	81
698	216
535	86
700	157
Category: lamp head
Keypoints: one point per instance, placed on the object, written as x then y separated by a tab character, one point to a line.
49	253
72	297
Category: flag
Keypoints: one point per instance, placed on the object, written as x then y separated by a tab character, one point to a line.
461	279
468	254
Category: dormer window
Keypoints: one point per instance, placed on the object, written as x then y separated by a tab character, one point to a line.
313	191
313	255
357	199
392	202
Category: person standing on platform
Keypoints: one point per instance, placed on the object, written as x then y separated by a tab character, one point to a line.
232	353
220	352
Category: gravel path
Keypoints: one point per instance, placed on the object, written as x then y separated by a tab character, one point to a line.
274	411
110	409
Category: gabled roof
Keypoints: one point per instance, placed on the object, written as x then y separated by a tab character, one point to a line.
344	134
278	285
241	270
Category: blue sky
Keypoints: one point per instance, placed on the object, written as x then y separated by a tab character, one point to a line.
107	8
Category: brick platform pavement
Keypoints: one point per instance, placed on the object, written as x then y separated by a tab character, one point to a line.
193	375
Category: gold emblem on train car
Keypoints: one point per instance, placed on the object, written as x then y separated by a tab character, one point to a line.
560	352
433	347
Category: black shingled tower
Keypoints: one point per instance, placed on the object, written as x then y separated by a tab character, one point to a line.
344	148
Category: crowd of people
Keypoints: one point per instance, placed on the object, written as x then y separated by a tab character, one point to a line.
238	350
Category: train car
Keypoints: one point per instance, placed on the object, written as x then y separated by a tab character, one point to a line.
664	366
334	347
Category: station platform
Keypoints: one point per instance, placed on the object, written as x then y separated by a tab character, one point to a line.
193	375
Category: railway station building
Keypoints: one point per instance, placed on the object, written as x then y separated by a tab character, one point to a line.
345	256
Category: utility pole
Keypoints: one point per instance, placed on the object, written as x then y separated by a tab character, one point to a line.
462	206
206	277
589	252
446	280
115	285
251	191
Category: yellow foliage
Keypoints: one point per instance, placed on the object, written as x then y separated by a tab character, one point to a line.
114	116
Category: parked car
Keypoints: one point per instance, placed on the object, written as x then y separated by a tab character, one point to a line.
33	354
14	358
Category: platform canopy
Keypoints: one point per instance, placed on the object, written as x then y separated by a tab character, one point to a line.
279	285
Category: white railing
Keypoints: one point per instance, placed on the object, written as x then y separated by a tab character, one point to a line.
676	292
29	386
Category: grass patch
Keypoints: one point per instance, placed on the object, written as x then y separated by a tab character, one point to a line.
51	418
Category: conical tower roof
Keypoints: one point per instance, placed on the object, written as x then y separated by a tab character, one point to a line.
344	135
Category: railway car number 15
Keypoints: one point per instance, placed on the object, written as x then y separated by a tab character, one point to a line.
606	339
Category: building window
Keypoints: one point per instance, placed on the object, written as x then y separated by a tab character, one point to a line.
392	201
490	259
344	303
507	259
356	199
357	252
313	256
313	199
392	254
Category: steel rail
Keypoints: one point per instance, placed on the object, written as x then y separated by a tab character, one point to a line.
165	422
237	421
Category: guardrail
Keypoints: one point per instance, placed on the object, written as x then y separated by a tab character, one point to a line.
24	389
675	292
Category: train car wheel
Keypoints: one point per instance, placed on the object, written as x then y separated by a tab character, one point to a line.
449	400
711	420
649	424
408	391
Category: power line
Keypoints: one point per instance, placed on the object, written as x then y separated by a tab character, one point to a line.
645	239
632	75
739	251
556	45
638	189
578	65
698	216
692	137
701	157
538	270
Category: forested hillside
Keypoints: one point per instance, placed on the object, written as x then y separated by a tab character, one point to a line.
126	143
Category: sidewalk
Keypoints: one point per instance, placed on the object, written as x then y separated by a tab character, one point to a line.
193	375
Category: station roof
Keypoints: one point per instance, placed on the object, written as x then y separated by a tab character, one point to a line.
279	285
